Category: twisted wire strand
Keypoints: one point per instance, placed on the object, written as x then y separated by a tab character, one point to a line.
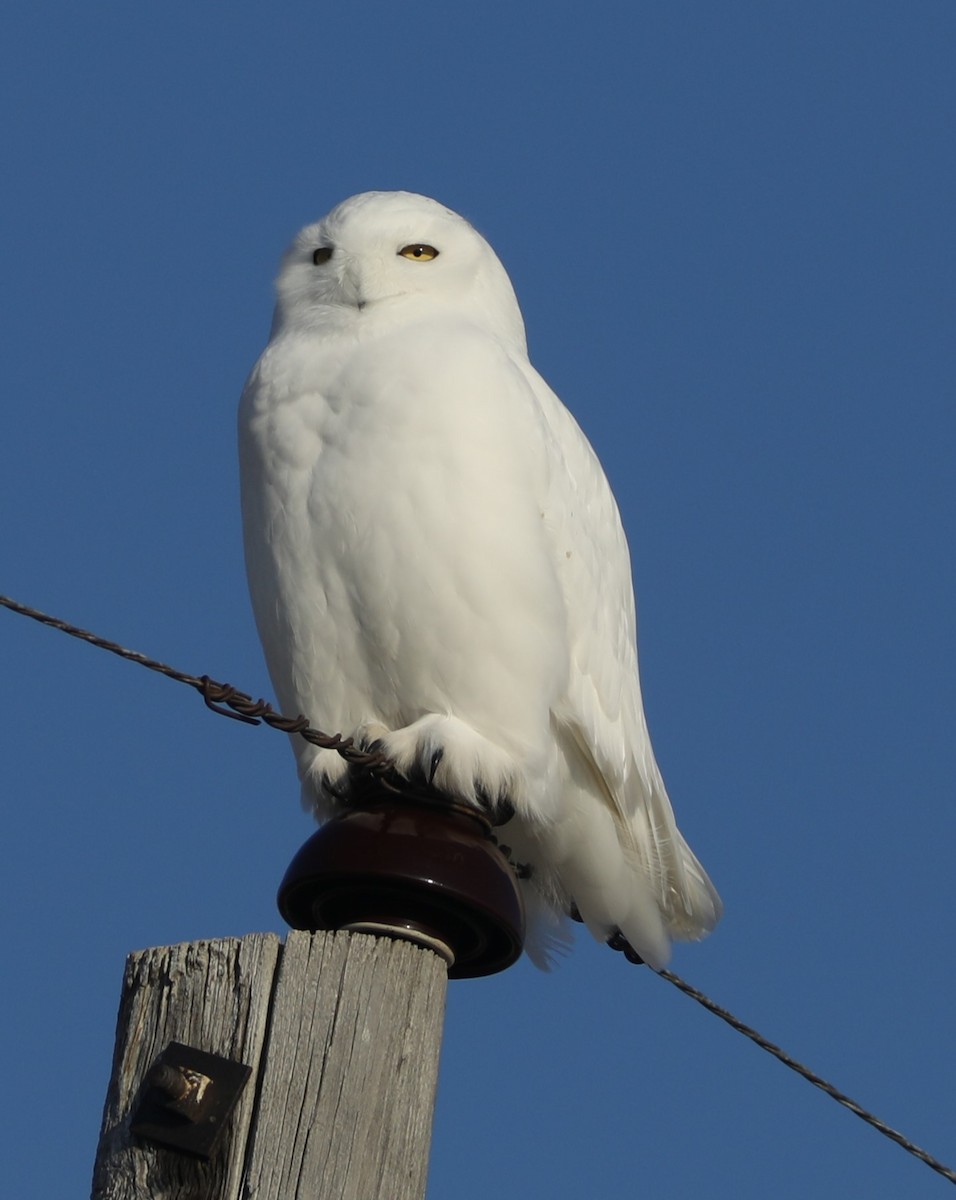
810	1076
221	698
228	701
620	943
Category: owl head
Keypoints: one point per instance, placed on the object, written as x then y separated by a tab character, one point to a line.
392	255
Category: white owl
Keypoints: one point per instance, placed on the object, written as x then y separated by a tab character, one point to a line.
437	566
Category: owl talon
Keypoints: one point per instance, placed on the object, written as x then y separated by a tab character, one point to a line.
499	811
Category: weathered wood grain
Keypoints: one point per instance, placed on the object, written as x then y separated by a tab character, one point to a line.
343	1033
214	996
347	1102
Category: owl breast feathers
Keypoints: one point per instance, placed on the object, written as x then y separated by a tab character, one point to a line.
438	567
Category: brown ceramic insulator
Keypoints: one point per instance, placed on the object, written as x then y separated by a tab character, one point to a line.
426	872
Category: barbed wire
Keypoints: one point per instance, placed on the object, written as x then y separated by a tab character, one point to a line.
228	701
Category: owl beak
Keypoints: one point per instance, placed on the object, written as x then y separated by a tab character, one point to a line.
352	278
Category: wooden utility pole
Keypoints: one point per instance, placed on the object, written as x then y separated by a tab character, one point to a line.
342	1032
249	1070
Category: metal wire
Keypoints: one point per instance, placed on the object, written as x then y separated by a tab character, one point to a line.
221	698
228	701
620	943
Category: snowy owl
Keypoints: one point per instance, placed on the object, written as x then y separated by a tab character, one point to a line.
438	567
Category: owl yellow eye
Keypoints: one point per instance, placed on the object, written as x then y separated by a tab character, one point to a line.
419	252
322	255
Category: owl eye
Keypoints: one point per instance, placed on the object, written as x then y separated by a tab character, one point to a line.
322	255
418	252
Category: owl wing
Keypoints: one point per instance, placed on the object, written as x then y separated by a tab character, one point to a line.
600	720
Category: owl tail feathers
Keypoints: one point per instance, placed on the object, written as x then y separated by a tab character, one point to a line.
624	898
657	852
651	892
693	909
608	890
636	916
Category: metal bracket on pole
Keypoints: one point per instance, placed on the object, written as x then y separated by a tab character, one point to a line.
187	1098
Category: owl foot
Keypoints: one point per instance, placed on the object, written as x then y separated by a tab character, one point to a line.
450	756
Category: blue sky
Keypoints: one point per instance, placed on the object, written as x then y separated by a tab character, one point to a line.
731	230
